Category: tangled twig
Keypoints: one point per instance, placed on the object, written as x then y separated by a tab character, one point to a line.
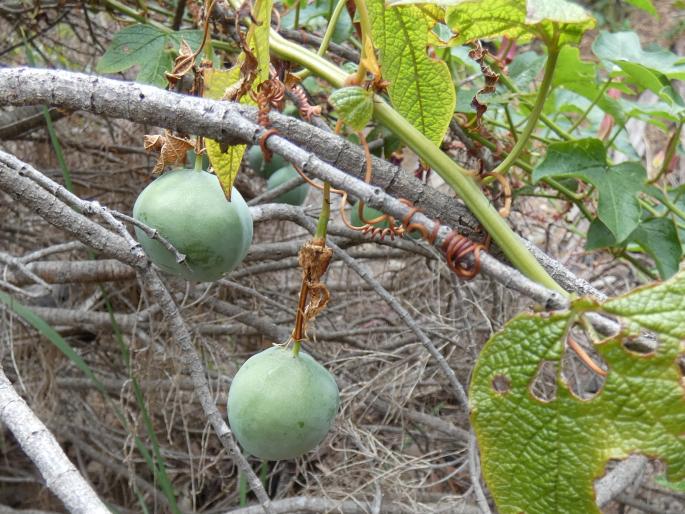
456	246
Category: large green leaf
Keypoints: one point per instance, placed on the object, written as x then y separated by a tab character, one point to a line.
623	47
149	47
618	186
420	87
658	237
543	455
517	19
599	236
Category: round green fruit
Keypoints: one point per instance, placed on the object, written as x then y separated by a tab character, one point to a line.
255	159
295	196
281	406
189	209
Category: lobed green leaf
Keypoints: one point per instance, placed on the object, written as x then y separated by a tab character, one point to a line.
543	455
650	69
149	47
659	239
618	207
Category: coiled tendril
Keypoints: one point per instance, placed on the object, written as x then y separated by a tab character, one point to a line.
270	94
457	247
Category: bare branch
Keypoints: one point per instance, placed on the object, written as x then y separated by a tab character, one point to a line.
223	121
231	122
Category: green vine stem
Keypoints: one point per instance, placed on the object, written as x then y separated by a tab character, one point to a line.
512	87
296	23
456	176
594	102
524	136
365	24
332	23
327	36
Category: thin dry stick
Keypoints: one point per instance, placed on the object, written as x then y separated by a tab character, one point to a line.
60	475
474	471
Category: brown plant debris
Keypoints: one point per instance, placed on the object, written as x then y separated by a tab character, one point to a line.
314	258
172	150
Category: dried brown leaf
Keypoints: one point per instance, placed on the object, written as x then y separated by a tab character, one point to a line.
172	150
478	54
182	64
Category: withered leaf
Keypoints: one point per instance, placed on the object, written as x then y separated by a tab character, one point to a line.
172	150
314	258
248	74
182	64
478	54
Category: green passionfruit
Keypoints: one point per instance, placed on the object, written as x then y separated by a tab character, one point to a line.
295	196
189	209
255	159
281	405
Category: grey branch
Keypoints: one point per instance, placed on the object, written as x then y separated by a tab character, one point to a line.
223	121
317	504
609	486
60	475
231	122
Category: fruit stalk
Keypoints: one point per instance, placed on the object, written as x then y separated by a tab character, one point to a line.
298	333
